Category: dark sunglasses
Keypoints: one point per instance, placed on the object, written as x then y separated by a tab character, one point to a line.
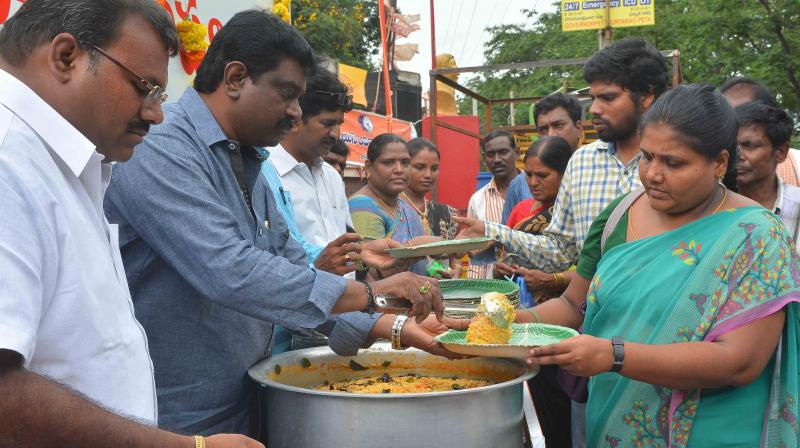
342	99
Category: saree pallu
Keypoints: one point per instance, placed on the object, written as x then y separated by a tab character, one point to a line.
372	222
441	221
536	222
697	283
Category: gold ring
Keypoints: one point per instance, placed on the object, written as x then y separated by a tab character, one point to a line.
347	258
426	287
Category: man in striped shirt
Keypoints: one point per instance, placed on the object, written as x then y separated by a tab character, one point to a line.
500	154
624	79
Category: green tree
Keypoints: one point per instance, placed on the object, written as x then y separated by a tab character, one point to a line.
346	30
717	39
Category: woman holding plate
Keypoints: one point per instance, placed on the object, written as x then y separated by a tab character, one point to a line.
377	209
690	292
423	173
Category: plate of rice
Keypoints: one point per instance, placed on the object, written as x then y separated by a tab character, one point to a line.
486	339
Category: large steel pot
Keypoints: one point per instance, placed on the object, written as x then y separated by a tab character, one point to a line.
298	417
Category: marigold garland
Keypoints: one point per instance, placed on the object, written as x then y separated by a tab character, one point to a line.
193	39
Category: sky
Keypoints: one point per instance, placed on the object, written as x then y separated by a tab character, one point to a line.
460	26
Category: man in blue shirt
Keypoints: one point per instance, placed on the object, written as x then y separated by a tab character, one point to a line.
554	115
74	363
211	268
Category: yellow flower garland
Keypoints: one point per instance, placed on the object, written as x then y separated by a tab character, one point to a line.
193	36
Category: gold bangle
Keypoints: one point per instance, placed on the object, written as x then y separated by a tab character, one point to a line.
199	442
561	281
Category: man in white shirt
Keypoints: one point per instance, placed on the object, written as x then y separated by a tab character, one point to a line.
500	153
311	193
313	187
764	133
75	94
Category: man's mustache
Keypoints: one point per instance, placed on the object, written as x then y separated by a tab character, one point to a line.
285	124
139	127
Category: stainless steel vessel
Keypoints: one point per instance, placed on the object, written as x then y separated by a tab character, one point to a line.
299	417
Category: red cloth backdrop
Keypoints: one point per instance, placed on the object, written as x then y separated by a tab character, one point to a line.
460	156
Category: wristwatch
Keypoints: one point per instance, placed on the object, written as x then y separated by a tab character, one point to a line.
619	353
370	309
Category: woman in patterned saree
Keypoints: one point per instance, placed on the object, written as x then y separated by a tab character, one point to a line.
690	293
423	173
545	163
377	209
436	218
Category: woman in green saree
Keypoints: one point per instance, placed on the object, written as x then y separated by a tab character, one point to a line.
690	294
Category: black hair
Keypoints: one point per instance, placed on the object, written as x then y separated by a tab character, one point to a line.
257	39
379	143
324	92
415	145
778	125
703	120
553	151
553	102
632	63
495	134
91	22
759	90
341	148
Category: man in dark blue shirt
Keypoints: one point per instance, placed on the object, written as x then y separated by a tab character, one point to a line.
209	259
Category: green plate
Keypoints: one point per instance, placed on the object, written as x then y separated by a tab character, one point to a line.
470	290
523	338
441	248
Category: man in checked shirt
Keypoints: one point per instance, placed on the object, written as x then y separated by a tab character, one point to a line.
624	79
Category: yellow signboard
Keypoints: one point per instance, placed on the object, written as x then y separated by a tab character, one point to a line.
591	15
354	78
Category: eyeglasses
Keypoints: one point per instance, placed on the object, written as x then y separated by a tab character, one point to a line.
342	99
153	93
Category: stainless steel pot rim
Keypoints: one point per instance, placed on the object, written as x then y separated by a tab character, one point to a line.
259	375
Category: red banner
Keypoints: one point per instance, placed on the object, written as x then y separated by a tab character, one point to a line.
361	127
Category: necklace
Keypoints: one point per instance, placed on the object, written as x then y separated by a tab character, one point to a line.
392	210
719	206
422	213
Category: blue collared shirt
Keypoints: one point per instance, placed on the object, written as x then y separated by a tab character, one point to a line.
518	191
207	280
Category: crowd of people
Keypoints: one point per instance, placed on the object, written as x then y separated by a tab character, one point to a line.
140	285
677	233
